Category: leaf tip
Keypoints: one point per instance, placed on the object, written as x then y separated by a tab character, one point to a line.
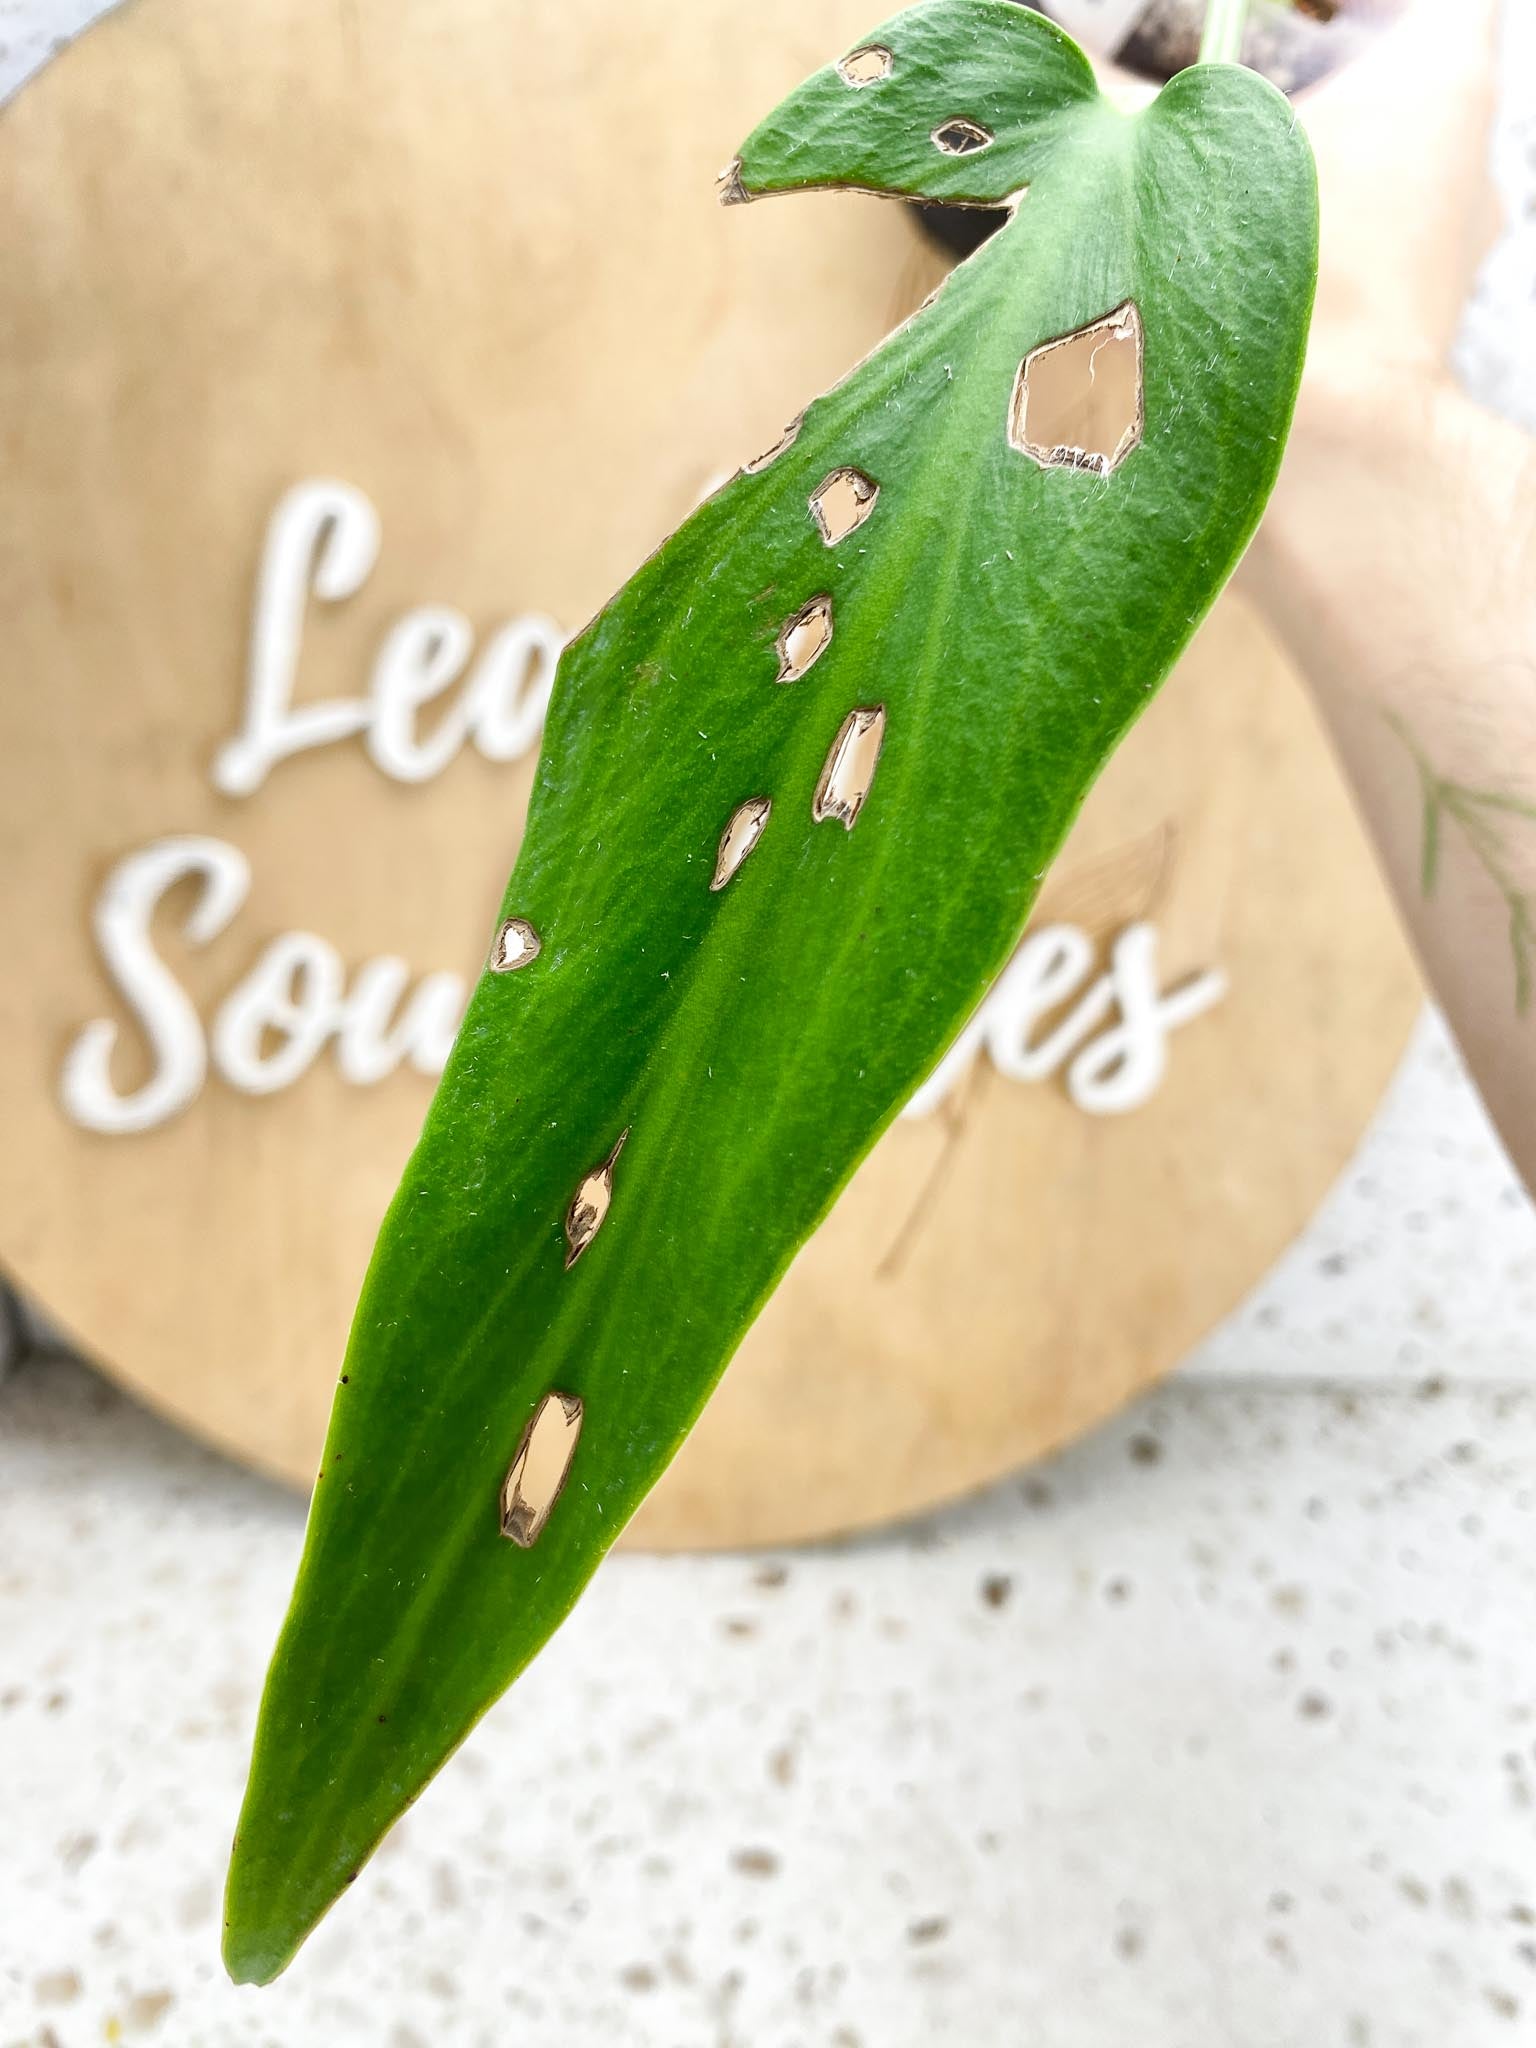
729	187
252	1956
272	1902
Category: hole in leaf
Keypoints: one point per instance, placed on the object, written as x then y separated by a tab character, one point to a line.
1078	402
850	767
804	639
770	455
740	836
842	503
515	945
590	1205
960	137
866	66
540	1468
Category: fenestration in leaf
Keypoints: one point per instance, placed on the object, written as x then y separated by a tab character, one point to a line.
705	1065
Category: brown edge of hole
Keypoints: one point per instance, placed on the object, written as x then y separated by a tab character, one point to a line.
791	668
524	1522
864	491
769	456
870	64
973	137
578	1234
748	822
533	946
833	806
1093	462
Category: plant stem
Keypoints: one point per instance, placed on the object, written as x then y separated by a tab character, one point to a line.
1225	21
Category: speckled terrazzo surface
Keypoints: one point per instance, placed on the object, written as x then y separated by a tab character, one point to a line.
1218	1732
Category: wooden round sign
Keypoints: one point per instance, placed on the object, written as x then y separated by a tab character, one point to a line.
353	356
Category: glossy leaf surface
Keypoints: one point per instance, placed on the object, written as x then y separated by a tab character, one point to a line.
704	1041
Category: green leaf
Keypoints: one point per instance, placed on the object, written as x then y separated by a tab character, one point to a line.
744	1046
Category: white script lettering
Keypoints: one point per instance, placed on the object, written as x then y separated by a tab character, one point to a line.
323	541
1108	1071
271	1028
297	1000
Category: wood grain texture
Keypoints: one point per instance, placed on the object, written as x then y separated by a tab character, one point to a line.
242	250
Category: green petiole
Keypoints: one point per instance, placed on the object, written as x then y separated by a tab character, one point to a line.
1222	42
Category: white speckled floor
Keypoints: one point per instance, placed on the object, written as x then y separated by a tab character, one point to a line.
1220	1732
1217	1731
